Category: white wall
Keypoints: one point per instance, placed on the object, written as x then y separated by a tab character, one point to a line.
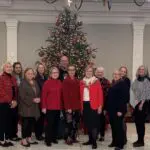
114	43
31	36
146	56
2	44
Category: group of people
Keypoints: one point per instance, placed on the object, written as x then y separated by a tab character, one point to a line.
54	105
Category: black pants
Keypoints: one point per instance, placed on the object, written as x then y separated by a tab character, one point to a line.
102	124
125	131
140	117
27	126
39	126
14	122
52	117
72	124
5	121
90	118
61	126
117	127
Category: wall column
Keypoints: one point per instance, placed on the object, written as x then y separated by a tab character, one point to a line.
11	28
138	35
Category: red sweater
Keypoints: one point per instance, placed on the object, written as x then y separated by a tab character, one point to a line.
52	95
95	92
71	94
8	88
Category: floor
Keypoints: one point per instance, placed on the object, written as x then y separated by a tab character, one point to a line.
101	146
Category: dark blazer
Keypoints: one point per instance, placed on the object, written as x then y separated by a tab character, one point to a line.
40	80
62	74
27	108
117	98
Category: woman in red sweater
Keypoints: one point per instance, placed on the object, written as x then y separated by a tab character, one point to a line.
51	105
92	102
72	105
8	100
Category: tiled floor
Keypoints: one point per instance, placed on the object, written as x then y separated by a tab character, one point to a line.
101	146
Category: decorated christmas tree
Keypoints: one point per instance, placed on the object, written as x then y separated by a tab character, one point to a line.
66	38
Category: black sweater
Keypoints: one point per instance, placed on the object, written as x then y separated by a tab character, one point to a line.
117	98
40	80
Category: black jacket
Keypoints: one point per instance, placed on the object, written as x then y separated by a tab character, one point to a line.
117	98
40	80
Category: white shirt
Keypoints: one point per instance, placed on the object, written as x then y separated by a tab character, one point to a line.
86	93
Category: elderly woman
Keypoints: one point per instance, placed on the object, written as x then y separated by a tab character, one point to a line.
105	83
29	99
92	102
8	97
141	93
72	105
51	105
117	108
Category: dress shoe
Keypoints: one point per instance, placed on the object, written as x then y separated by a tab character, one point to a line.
101	139
40	138
48	144
9	143
94	146
111	145
87	143
138	144
55	141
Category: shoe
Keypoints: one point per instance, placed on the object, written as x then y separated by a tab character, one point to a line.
87	143
75	141
15	139
138	144
69	141
25	145
101	139
117	148
5	144
111	145
55	141
9	143
40	138
125	142
33	143
48	144
94	146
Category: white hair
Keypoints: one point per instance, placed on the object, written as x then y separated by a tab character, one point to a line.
100	69
6	63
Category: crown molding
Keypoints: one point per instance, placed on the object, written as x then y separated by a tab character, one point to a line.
91	12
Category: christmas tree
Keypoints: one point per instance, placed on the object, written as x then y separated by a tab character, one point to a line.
66	38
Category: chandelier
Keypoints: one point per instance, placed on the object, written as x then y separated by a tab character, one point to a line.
77	3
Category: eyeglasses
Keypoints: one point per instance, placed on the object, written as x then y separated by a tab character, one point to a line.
55	72
71	69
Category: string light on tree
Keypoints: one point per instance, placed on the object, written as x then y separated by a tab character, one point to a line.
66	38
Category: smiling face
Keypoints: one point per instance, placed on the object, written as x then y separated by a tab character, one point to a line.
18	69
116	75
64	62
99	72
71	71
54	73
141	71
89	72
41	69
8	68
29	74
123	71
